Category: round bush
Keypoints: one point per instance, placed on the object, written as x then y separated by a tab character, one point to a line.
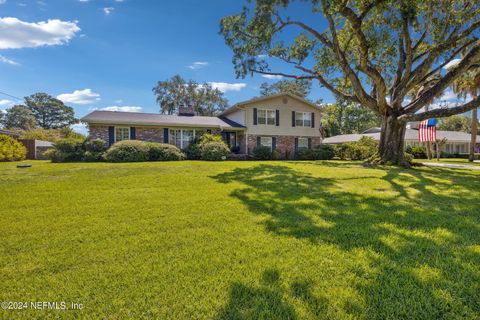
164	152
214	151
128	151
11	149
418	152
66	150
94	150
264	153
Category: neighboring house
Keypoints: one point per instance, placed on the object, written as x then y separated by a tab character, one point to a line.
457	142
10	133
283	122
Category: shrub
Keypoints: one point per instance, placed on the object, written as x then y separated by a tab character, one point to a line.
408	158
363	149
322	152
418	152
208	137
192	151
128	151
11	149
214	151
164	152
66	150
94	150
265	153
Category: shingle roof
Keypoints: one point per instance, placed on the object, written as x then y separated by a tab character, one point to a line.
9	133
154	119
410	134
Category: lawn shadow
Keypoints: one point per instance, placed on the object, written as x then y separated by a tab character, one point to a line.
418	239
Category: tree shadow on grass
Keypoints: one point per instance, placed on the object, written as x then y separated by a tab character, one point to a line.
420	238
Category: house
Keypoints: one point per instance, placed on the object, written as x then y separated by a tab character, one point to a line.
10	133
284	122
457	142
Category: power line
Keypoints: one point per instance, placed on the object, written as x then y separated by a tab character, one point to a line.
9	95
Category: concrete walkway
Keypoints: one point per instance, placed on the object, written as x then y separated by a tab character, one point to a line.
450	165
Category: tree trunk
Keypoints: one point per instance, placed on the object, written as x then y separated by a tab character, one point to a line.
428	146
473	141
392	139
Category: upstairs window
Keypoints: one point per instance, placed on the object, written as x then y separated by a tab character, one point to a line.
303	119
122	133
266	117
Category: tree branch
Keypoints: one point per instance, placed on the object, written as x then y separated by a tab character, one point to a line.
442	112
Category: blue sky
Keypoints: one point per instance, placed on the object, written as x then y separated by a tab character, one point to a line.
110	53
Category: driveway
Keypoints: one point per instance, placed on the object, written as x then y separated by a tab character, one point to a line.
450	165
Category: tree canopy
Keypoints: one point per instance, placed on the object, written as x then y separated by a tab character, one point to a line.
176	92
49	112
455	123
370	52
345	118
299	87
19	117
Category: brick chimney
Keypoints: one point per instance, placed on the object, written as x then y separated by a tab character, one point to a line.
186	110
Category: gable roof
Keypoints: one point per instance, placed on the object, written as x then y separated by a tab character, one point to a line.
155	119
273	96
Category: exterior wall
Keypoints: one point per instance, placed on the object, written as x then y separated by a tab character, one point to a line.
98	132
285	105
238	116
149	134
285	145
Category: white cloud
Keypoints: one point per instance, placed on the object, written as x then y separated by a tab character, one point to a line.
15	33
452	63
198	65
80	128
8	61
6	103
224	87
123	108
85	96
108	10
272	77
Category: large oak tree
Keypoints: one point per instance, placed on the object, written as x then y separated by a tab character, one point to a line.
370	52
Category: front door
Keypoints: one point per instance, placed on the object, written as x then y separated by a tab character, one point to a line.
230	139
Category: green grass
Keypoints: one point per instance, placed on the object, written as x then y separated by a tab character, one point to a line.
240	240
451	160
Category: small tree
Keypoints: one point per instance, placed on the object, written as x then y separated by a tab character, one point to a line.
49	112
19	117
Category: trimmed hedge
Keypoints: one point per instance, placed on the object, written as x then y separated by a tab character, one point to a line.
363	149
128	151
265	153
11	149
75	150
164	152
322	152
418	152
214	151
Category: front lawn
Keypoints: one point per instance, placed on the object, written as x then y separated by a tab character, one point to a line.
240	240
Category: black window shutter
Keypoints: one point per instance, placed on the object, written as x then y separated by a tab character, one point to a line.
133	133
309	143
255	116
165	135
277	117
111	135
313	120
293	118
296	145
274	143
258	142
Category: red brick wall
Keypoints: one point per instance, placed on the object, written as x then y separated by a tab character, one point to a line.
285	145
150	134
98	132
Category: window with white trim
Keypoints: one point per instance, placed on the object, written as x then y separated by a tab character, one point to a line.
122	133
302	143
266	142
266	117
303	119
181	138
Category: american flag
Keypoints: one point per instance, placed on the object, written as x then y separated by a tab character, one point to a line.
427	131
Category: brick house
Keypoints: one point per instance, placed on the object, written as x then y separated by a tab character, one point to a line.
283	122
